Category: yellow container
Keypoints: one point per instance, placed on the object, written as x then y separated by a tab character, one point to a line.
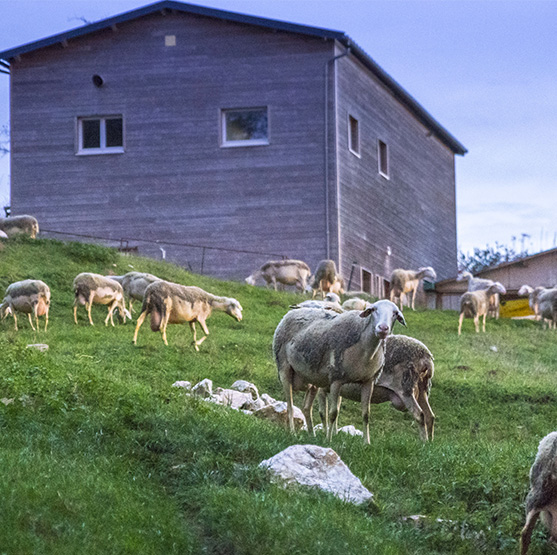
516	308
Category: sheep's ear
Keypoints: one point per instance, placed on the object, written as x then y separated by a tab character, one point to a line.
367	312
400	318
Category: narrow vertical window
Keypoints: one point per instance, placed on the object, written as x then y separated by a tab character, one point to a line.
383	157
354	135
366	281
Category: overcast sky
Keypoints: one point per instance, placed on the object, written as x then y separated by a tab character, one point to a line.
485	69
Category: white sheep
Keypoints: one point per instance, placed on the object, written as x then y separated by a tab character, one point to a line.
90	289
16	225
474	304
355	303
31	297
287	272
542	497
324	349
172	303
533	295
405	382
477	284
324	278
134	285
330	302
407	281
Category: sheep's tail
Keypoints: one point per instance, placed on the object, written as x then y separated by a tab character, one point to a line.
155	306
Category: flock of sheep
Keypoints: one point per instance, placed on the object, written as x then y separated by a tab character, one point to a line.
327	349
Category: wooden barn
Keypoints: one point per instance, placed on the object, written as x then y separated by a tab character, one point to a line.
538	269
221	140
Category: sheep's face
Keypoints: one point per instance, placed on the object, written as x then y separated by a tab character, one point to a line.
384	314
235	310
525	290
499	288
332	298
429	273
250	280
5	310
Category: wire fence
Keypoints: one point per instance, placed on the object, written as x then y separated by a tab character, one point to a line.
197	258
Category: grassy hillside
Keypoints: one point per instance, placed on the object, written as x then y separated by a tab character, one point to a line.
99	454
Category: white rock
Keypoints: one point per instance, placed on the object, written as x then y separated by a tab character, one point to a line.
320	467
351	430
183	384
494	348
278	413
39	346
267	399
6	401
245	387
204	388
257	404
233	398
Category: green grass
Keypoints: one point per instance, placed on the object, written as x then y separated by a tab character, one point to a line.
99	454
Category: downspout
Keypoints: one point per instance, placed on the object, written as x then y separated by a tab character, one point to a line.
327	211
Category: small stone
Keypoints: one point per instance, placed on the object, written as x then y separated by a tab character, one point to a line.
278	412
6	401
204	388
493	348
183	384
351	430
245	387
39	346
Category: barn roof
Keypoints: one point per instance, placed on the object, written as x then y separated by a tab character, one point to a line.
398	92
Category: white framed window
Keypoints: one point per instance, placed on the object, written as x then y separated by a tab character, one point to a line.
245	126
100	134
383	158
354	135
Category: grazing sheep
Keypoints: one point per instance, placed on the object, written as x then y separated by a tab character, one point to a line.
406	281
15	225
405	382
287	272
324	278
30	296
93	289
330	302
477	284
533	295
355	303
474	304
171	303
542	497
325	349
134	285
547	301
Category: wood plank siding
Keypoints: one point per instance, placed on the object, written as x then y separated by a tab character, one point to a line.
412	214
174	181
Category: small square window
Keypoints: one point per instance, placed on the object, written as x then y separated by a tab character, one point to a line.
100	135
383	158
354	135
244	127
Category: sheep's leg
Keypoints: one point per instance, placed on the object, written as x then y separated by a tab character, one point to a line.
311	392
110	313
526	534
164	325
131	306
36	313
89	305
335	394
15	319
194	332
483	326
46	317
287	378
31	321
429	417
140	321
477	323
323	408
414	297
205	330
367	390
460	320
75	311
413	407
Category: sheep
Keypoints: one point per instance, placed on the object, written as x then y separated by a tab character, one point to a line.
171	303
330	302
30	296
533	295
15	225
92	289
134	285
405	381
324	278
287	272
477	284
547	301
406	281
355	303
325	349
542	497
474	304
337	286
3	235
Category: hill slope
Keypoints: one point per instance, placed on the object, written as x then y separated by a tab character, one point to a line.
100	455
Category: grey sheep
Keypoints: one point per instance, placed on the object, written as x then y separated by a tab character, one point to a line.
24	224
330	302
31	297
477	284
172	303
135	284
542	497
90	289
405	382
287	272
407	281
547	301
474	304
324	349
